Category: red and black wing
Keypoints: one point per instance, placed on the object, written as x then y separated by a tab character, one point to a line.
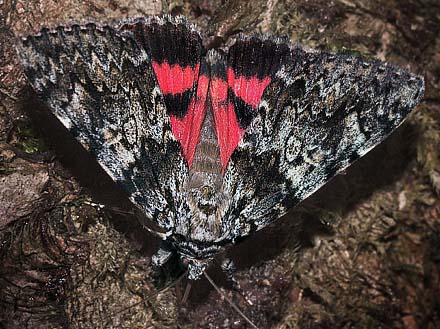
304	117
175	48
124	93
238	82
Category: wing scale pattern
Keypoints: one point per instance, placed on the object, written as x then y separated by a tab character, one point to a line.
175	48
102	87
320	113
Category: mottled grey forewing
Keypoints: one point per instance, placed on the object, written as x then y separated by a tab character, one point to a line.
102	87
320	113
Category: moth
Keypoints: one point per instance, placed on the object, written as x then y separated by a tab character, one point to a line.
213	144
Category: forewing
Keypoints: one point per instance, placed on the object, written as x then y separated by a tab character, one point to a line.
102	87
320	113
175	48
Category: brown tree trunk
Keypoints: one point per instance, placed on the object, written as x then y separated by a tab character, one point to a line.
369	241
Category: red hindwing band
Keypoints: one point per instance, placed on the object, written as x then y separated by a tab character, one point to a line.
176	80
229	132
187	129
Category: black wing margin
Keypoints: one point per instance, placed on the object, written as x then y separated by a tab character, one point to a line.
102	87
320	113
172	40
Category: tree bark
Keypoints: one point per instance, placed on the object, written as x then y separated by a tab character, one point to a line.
362	252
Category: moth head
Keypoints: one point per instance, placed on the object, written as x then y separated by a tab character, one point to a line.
195	256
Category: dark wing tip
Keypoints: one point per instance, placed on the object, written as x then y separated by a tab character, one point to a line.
166	38
259	55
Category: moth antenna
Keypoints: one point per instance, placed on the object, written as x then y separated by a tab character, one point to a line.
170	285
149	226
230	302
187	291
228	268
114	209
121	211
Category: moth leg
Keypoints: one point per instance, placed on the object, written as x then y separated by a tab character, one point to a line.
166	266
162	255
229	268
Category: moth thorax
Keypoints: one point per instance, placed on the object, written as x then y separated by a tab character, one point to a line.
206	204
205	199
